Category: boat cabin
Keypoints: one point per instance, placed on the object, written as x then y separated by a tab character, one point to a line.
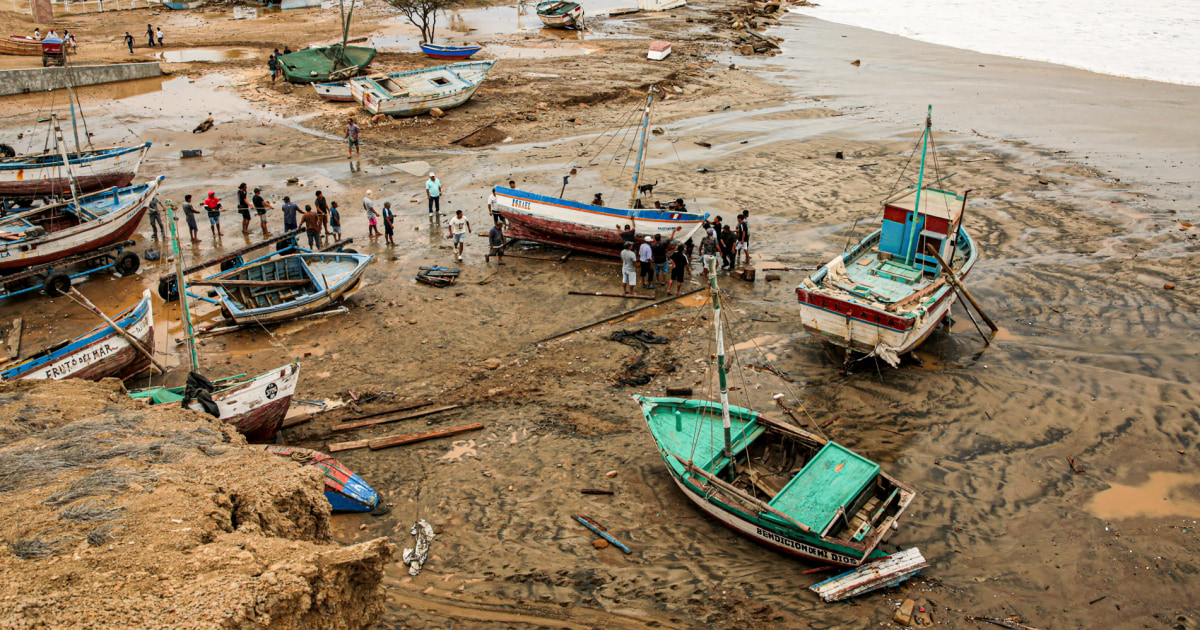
908	230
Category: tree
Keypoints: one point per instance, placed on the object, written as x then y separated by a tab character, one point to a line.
423	14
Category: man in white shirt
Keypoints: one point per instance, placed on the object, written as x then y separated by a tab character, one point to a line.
628	269
459	227
372	216
646	256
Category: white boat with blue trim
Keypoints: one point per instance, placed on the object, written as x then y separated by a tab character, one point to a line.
288	287
415	92
31	177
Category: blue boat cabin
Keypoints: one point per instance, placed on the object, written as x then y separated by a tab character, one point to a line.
907	231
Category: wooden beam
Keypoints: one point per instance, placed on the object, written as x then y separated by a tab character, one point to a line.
409	438
218	282
347	446
959	285
615	317
634	296
368	423
14	338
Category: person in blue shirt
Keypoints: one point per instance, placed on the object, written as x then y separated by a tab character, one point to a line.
433	190
335	222
290	210
389	217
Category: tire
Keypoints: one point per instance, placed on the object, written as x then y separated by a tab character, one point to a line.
284	244
167	290
127	264
57	284
349	250
228	264
7	151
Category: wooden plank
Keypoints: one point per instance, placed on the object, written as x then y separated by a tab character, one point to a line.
634	296
409	438
14	338
887	571
347	446
368	423
392	410
625	314
248	283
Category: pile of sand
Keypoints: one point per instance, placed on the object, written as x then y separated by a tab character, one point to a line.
120	515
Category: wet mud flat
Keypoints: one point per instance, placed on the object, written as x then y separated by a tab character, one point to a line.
1096	361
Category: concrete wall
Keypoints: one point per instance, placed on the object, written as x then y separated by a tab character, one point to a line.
42	79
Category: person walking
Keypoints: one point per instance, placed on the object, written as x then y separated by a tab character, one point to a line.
433	190
290	210
389	221
189	213
646	257
495	244
743	243
273	66
156	224
352	130
372	221
129	41
323	212
335	222
150	34
260	208
213	206
494	208
243	207
312	227
628	269
659	248
679	264
159	34
459	227
728	241
708	251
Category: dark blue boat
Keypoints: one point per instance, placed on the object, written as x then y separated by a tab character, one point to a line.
449	52
345	490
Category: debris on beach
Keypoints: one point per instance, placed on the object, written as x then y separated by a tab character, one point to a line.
415	557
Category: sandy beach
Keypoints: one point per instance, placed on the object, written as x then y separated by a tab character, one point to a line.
1083	196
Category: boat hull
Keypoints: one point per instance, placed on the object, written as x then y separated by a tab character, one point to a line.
569	19
452	53
317	65
337	92
99	353
32	177
257	407
333	287
20	45
345	490
377	100
114	227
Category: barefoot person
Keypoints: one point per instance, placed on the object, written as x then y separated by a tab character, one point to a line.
351	138
290	212
335	222
323	212
495	244
212	205
629	264
459	227
260	208
433	190
312	227
372	216
189	213
679	264
389	223
243	206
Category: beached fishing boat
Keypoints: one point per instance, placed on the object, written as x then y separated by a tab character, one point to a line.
345	490
770	481
325	64
415	92
339	92
31	177
889	292
256	406
99	353
449	52
180	6
49	233
587	227
560	14
21	45
280	289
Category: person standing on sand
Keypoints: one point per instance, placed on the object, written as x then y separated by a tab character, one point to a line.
389	223
312	227
189	213
494	208
260	208
743	233
495	244
459	227
646	257
708	251
351	138
158	33
150	35
433	190
628	270
129	41
290	210
273	66
679	263
243	206
213	206
323	212
335	222
728	241
372	222
156	223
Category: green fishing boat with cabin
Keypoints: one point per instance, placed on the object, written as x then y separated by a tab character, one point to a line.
325	64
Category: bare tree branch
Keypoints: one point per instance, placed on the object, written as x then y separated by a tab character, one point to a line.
423	14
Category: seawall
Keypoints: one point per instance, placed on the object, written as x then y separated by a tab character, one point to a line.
28	80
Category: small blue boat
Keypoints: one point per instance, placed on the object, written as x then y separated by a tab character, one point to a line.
345	491
449	52
279	289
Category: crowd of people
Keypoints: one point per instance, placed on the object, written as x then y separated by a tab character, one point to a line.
658	262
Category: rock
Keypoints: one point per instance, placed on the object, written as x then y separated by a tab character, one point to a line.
436	112
772	277
745	49
904	614
856	63
600	543
610	474
658	131
1169	286
378	118
492	363
543	105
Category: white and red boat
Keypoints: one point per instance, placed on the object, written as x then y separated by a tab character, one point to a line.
31	177
99	353
53	232
21	45
888	294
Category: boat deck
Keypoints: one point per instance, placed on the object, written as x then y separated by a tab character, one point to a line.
883	281
53	218
826	487
330	271
676	426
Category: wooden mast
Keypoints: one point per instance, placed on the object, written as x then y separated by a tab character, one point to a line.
62	150
637	166
188	333
720	333
910	257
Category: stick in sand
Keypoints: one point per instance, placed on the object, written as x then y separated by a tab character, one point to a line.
137	345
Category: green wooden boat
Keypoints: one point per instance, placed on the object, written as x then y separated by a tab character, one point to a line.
325	64
779	485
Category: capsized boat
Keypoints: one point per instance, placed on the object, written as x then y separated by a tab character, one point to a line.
591	228
560	14
30	177
279	289
345	490
889	293
770	481
338	92
449	52
20	45
99	353
325	64
415	92
53	232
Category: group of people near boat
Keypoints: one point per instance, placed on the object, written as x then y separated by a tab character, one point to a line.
325	221
68	37
657	261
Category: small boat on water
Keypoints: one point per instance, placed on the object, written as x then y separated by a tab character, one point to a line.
53	232
770	481
288	287
415	92
449	52
325	64
99	353
31	177
21	45
345	490
180	6
339	92
560	14
888	293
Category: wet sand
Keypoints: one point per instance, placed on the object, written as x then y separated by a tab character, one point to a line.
1096	360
